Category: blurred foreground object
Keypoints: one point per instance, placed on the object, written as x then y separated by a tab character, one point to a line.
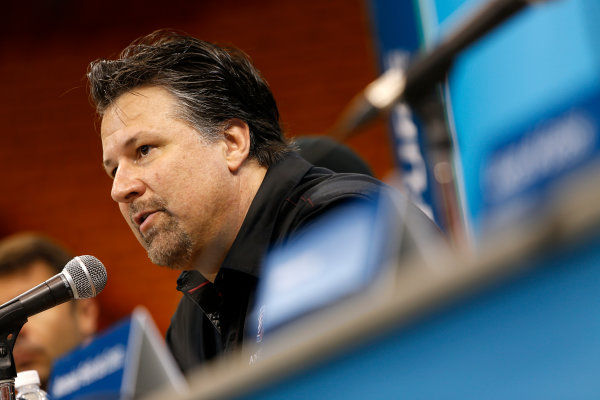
127	360
27	385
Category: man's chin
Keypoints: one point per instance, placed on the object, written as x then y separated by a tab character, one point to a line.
167	245
36	365
171	254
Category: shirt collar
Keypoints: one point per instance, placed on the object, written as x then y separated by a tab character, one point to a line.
255	234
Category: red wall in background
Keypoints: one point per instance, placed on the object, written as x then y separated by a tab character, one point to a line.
316	56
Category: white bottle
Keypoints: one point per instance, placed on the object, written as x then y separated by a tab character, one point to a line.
27	385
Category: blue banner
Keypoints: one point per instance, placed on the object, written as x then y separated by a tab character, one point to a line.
395	31
522	102
93	371
126	361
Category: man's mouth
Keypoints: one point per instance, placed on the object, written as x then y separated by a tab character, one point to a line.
143	219
140	217
142	214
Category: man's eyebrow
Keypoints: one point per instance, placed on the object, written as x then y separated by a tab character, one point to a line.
130	142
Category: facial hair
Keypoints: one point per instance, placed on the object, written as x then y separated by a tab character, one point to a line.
167	243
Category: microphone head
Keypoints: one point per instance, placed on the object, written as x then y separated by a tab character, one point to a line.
86	276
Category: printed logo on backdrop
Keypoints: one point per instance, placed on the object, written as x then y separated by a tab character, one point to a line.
96	368
517	173
407	146
128	360
109	361
397	37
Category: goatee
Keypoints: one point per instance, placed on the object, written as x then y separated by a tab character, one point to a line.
169	245
166	242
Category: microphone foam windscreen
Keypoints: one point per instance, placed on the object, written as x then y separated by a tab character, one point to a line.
88	275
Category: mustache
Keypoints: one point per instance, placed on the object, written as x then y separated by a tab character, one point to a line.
154	203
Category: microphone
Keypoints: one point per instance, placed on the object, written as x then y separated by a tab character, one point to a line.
83	277
427	69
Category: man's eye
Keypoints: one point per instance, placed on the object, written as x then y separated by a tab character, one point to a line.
144	150
113	173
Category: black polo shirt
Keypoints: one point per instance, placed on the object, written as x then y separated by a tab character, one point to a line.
210	318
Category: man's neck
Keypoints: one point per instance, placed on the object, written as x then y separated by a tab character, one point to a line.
247	181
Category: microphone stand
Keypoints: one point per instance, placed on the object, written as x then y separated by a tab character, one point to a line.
8	371
438	145
10	326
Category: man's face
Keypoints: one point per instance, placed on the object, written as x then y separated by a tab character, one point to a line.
46	335
172	187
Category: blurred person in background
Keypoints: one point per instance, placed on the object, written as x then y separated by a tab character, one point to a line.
322	151
26	260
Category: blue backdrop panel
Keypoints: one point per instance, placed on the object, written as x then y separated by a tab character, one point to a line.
396	37
524	102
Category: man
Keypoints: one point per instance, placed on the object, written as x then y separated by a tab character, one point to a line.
204	177
27	260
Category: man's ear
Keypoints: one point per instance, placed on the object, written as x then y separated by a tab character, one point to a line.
237	140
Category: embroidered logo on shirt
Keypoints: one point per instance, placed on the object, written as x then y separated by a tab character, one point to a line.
214	319
259	336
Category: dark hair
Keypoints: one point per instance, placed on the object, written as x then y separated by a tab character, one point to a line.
212	85
21	250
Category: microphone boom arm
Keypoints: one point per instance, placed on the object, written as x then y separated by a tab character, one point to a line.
426	70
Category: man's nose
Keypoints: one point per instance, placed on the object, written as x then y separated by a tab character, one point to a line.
127	186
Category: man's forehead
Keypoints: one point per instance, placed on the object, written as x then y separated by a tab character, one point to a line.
120	113
15	282
144	104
